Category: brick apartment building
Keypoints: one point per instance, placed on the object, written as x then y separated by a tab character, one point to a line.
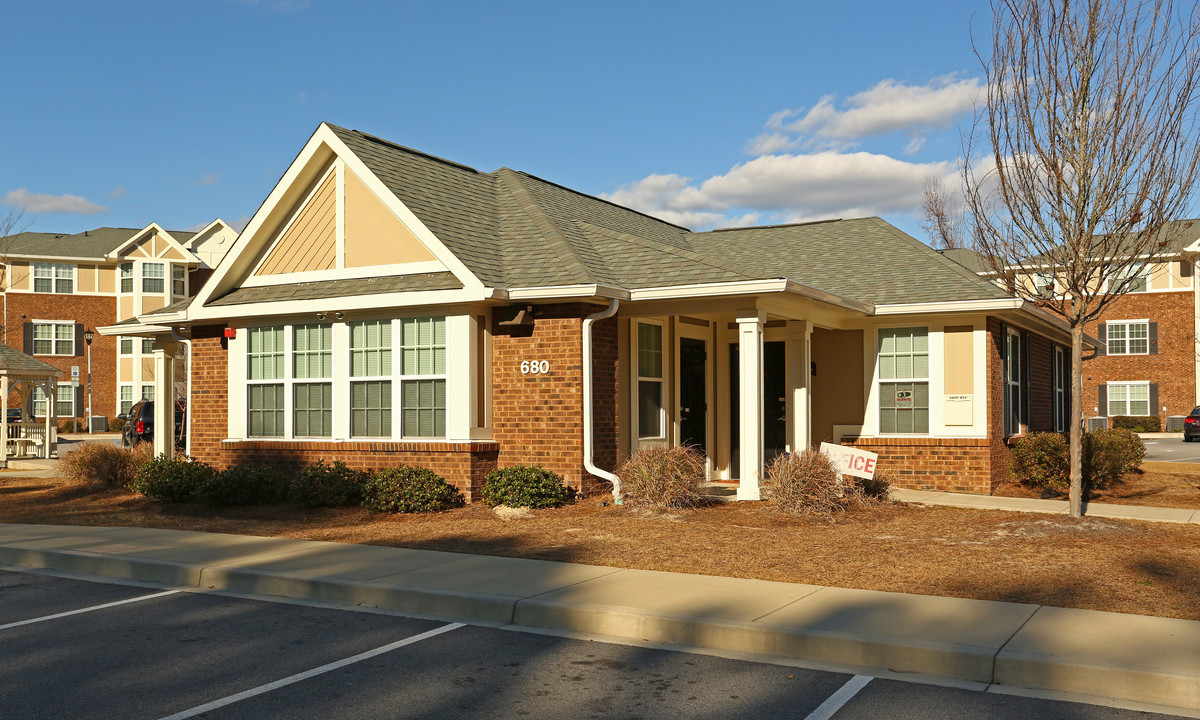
385	306
59	287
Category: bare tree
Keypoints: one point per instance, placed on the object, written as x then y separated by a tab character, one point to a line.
943	215
1094	148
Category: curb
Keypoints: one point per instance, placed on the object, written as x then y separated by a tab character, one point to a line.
1015	657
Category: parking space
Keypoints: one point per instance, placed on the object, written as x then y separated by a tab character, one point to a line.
188	654
1172	449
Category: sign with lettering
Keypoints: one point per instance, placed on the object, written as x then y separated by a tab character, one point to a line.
75	376
904	398
851	461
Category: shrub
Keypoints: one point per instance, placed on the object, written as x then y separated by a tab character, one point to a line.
1137	423
322	485
1108	454
116	425
876	490
523	486
664	477
409	489
1042	460
170	480
71	425
807	483
251	484
104	463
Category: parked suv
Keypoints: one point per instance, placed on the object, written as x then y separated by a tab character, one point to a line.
139	423
1191	425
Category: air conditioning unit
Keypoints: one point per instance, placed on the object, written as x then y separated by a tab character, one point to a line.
1097	423
1175	423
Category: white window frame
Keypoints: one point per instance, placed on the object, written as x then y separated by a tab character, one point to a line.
1139	270
147	346
124	274
416	377
279	381
1126	400
147	391
160	278
59	402
55	274
124	398
294	356
660	379
388	327
915	380
54	339
1127	341
1012	380
1061	373
178	280
125	345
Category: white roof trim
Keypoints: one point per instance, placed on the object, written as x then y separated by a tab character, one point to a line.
119	252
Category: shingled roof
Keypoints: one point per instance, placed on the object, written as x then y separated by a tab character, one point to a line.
87	244
512	229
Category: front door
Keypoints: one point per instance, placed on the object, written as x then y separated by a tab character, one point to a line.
693	400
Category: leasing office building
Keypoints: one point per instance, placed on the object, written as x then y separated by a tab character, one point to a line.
386	307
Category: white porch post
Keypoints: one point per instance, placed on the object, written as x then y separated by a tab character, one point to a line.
164	397
4	432
750	396
460	369
51	414
799	383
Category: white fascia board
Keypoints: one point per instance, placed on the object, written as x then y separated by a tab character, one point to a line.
558	292
741	287
161	317
352	303
54	258
133	330
951	306
413	268
189	258
830	298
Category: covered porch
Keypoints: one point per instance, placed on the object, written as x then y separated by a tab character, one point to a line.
21	374
743	379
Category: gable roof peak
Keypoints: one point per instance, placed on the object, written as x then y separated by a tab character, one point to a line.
403	148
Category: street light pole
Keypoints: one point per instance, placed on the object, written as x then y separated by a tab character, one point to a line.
87	338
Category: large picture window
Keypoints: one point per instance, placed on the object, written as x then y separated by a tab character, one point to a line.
904	380
651	420
54	338
153	278
54	278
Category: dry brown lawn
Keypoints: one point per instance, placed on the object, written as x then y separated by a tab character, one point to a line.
1120	566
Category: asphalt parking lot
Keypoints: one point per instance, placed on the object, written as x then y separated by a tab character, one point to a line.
1172	449
71	648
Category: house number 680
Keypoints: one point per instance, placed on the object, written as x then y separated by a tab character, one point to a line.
535	367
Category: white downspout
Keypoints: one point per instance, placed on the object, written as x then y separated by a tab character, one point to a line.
588	464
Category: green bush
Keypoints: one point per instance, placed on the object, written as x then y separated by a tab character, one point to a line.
173	480
251	484
322	485
1108	454
523	486
104	463
1137	423
407	489
663	477
1042	460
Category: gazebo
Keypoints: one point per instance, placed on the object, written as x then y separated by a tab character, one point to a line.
22	373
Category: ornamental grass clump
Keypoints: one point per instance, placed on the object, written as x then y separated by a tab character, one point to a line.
524	486
808	483
407	489
664	477
104	464
322	485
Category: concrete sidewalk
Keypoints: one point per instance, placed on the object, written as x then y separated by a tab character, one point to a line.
1105	655
1053	507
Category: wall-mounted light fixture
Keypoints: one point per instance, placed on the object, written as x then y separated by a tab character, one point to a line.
320	316
339	315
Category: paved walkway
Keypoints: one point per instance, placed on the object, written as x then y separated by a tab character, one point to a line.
975	643
1053	507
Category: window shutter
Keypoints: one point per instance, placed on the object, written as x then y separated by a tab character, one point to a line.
79	344
1102	336
80	408
1103	400
1154	410
28	338
1153	333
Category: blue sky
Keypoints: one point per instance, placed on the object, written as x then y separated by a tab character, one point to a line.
707	114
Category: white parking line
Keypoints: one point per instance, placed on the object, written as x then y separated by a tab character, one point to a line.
839	698
199	709
88	609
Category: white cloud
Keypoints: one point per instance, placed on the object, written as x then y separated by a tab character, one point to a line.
210	179
786	188
118	192
889	107
38	203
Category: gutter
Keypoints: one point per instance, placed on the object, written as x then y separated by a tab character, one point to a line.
588	463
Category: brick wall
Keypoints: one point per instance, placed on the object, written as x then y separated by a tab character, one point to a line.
90	310
1173	369
999	451
208	411
945	464
538	419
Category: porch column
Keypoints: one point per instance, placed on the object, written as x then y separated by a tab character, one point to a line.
799	383
750	395
460	371
4	432
164	397
51	391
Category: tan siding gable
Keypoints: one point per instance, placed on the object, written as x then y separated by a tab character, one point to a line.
310	243
374	235
170	253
